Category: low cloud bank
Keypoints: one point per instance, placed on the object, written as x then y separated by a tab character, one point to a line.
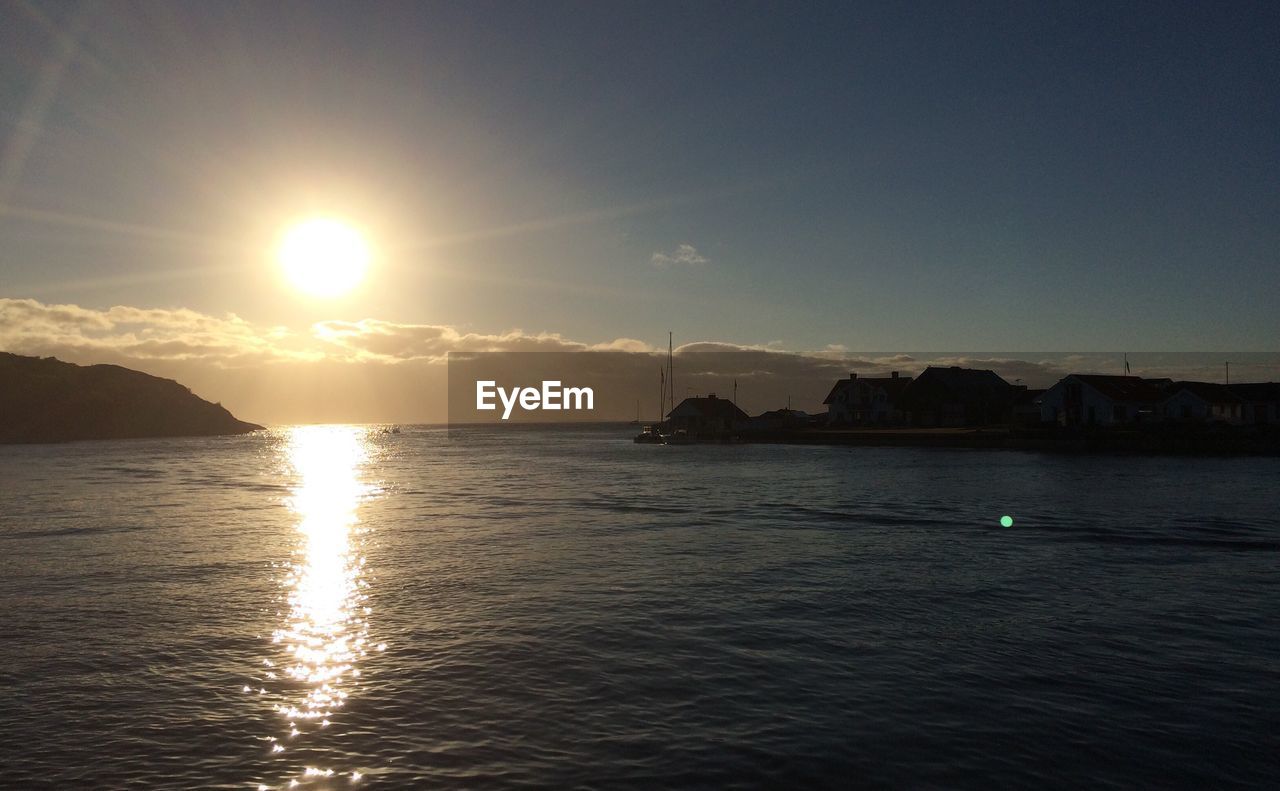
372	370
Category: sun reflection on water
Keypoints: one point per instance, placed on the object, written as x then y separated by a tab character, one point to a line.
325	626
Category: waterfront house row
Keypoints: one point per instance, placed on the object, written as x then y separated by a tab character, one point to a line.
956	396
1098	400
939	396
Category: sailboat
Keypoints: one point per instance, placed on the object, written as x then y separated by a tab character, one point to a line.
652	435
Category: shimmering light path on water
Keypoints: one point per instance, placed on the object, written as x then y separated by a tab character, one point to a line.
325	630
566	609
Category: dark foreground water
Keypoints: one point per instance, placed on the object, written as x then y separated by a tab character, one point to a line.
346	609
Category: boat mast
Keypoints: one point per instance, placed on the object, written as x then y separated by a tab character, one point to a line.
662	393
671	382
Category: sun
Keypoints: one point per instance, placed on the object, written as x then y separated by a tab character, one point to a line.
323	257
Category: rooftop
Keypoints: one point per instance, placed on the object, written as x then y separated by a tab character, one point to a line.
1123	388
708	407
1213	393
892	384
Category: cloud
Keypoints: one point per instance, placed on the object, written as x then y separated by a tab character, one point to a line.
132	333
373	369
624	345
123	333
683	255
389	342
70	331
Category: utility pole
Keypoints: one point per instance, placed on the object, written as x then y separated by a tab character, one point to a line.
1228	365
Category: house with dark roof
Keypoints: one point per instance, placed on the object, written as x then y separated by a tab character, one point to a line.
706	416
1100	400
1260	402
867	400
779	419
956	396
1201	402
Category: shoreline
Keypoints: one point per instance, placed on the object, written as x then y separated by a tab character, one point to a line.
1232	441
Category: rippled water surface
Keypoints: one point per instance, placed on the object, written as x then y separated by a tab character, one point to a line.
336	607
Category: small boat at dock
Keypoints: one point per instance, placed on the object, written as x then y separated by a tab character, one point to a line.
650	435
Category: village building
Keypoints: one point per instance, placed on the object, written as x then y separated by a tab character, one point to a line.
780	419
956	396
1201	402
1101	400
866	401
706	416
1260	402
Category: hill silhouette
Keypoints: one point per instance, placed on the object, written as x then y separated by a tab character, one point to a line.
47	400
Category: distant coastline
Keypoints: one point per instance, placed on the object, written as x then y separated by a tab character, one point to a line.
45	400
956	407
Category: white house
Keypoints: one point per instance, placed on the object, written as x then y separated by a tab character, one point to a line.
866	401
1201	402
1098	400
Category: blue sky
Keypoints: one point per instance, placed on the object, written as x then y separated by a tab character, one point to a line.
1059	176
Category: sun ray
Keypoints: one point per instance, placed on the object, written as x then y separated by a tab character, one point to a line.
30	125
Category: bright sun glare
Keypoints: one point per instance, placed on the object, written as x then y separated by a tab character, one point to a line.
323	257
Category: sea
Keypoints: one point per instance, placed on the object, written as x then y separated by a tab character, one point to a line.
342	607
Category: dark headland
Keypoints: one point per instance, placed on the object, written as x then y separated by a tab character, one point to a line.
47	400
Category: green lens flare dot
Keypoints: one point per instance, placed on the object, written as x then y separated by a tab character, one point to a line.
1006	521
